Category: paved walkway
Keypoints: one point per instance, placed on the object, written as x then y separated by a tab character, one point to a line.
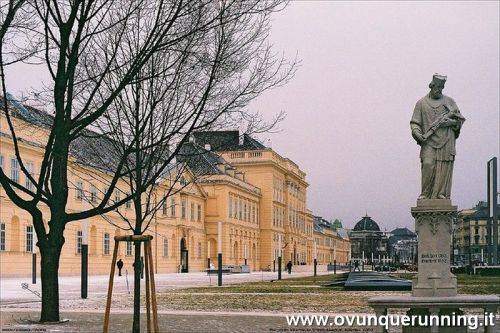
11	290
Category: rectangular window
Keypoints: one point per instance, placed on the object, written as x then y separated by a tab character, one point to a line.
2	236
28	183
128	203
199	213
93	194
105	245
29	238
183	208
165	247
79	241
230	206
192	211
14	170
164	206
117	195
199	250
240	210
172	207
1	164
79	191
128	250
235	208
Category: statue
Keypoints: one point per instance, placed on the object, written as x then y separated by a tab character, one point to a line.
435	125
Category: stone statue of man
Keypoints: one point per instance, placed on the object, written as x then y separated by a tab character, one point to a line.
435	125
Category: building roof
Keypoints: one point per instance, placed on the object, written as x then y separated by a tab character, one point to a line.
366	224
227	141
201	161
403	232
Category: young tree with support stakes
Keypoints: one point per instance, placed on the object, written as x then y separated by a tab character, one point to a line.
204	61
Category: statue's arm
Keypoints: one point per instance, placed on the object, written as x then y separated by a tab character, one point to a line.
458	119
416	124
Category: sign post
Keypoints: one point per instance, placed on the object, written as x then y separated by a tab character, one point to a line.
33	259
85	257
219	254
492	212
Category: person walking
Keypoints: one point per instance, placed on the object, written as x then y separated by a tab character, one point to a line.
289	267
119	264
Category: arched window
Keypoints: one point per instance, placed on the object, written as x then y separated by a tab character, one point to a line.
165	247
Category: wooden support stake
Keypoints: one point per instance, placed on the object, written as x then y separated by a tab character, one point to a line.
110	288
153	291
148	295
150	281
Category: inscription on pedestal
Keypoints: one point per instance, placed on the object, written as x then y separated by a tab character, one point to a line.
434	258
433	219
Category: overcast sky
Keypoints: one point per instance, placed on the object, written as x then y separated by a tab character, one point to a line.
364	66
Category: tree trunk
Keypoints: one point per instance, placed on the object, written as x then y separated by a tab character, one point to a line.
136	326
49	256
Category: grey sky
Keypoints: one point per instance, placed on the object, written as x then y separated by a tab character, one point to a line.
364	65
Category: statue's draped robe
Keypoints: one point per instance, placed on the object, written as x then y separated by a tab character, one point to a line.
437	153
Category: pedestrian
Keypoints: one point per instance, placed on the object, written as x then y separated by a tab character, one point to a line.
289	267
356	265
119	264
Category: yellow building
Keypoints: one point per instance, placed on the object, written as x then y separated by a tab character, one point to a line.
331	244
283	193
258	196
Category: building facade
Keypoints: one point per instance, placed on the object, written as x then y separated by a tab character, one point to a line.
368	242
257	195
470	235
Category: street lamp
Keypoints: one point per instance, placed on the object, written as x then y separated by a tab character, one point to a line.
84	262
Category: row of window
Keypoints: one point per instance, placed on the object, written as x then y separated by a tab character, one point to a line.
129	248
243	209
28	236
15	171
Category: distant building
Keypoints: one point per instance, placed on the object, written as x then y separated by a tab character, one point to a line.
331	244
470	237
403	245
368	241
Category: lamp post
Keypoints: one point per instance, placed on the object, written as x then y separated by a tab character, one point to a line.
84	254
279	257
315	259
219	253
33	259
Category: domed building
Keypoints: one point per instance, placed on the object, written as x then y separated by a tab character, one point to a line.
368	241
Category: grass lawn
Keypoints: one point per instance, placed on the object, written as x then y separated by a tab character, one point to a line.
305	294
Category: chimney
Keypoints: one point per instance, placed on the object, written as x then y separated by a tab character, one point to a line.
208	147
241	139
191	138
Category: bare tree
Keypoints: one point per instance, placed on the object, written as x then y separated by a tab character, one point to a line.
205	84
99	51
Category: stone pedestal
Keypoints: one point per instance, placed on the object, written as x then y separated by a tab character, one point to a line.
433	224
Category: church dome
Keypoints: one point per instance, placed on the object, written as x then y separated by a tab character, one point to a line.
366	224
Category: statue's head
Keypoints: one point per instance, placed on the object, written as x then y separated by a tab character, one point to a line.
437	85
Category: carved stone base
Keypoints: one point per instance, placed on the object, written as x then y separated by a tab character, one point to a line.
433	224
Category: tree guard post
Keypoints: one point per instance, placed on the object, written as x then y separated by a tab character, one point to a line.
151	305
